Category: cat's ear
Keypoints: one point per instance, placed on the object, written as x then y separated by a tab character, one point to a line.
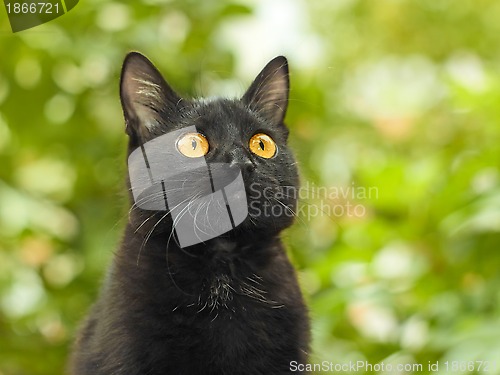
147	100
268	94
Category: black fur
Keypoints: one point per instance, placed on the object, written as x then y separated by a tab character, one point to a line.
229	306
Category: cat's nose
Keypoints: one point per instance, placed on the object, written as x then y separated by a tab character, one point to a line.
241	160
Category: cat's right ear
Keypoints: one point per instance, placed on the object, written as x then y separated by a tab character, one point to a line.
147	100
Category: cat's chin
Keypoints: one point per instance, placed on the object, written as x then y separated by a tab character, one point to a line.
250	229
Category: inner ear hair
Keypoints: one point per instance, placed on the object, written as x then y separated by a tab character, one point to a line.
147	99
268	93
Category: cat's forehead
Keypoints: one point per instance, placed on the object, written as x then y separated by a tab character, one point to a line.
226	114
221	109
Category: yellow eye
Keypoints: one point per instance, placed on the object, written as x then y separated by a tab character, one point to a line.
192	145
262	145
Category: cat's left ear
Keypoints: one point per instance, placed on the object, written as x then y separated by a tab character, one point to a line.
268	94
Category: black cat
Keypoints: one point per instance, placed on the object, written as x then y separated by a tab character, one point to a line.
227	305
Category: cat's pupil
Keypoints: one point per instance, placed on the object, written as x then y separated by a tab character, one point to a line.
194	144
261	144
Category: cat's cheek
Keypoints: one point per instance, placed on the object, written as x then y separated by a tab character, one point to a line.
149	222
254	209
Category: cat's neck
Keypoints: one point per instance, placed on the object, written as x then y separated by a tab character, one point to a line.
197	273
236	241
162	250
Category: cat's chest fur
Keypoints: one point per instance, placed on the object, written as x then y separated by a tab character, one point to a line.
204	313
229	282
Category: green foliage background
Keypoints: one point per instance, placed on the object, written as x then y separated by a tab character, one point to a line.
394	116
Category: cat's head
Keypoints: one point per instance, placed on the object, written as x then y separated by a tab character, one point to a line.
202	144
